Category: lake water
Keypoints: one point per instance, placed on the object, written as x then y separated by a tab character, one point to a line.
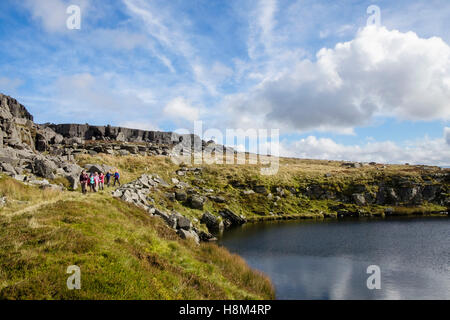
329	259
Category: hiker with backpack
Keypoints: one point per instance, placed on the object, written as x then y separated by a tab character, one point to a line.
101	181
92	182
108	178
84	179
116	178
96	181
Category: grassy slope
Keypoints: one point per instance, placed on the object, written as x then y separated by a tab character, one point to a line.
292	173
123	253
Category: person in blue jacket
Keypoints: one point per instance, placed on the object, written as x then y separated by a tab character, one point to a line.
116	178
108	178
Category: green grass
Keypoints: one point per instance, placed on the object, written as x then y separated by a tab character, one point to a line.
292	173
123	253
21	196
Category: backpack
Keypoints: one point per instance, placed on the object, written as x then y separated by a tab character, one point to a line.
92	180
116	175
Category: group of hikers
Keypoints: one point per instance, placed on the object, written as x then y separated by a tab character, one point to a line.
96	181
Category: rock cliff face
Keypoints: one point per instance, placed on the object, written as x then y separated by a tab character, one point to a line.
47	150
16	124
109	133
396	191
18	131
20	141
10	108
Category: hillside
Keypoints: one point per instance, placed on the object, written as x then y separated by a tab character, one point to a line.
128	240
301	188
123	253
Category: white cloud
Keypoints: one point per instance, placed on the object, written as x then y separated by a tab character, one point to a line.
447	135
213	76
424	151
179	108
162	26
9	86
139	125
262	23
379	73
52	13
95	98
339	31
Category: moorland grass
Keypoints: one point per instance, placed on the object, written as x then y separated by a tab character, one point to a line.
123	253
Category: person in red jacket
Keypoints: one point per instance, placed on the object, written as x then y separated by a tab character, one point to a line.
101	181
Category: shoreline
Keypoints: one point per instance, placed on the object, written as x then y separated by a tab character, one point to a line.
253	220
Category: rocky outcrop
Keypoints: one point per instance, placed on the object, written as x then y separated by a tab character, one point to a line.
197	202
138	193
23	144
108	133
385	191
92	168
72	139
10	108
21	141
213	223
232	218
18	131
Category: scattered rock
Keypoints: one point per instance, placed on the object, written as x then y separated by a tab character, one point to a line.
189	235
124	153
389	211
181	195
181	173
3	201
260	189
213	223
197	202
92	168
359	199
351	165
39	182
52	187
233	218
170	196
8	169
217	199
183	223
44	168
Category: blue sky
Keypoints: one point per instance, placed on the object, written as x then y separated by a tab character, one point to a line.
335	88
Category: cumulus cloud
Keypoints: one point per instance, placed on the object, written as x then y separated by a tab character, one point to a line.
180	108
379	73
424	151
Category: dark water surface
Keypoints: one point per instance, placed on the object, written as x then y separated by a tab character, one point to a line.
329	260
